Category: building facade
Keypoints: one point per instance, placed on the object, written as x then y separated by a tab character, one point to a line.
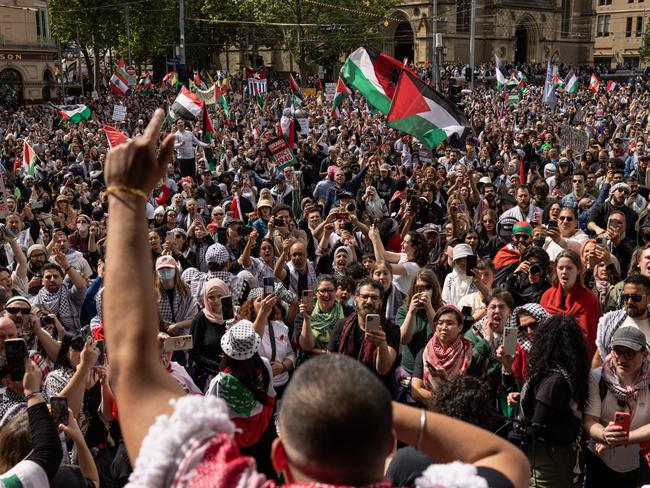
515	30
27	52
618	31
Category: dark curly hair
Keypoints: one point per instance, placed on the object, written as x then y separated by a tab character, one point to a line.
420	246
559	342
465	398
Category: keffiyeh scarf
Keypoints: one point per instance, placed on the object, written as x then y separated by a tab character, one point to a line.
455	359
627	394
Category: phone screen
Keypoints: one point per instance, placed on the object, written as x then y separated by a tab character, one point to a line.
471	264
552	224
227	310
510	341
16	353
59	410
269	285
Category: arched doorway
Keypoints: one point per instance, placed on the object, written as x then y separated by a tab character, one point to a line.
404	41
48	86
521	44
11	87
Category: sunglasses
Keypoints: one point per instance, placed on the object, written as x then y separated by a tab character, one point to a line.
626	352
625	297
566	219
17	310
521	237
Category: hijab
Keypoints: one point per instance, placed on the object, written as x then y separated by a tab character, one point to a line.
214	314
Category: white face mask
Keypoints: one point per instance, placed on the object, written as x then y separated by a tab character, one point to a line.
83	227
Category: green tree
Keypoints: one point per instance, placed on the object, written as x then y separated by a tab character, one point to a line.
90	25
644	51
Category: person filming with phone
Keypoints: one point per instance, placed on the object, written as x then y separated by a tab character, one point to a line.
366	335
617	415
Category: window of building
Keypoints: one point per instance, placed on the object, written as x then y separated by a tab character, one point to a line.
639	26
628	27
606	26
631	61
463	15
599	26
41	23
566	17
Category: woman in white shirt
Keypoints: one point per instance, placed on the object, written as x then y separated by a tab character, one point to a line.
276	345
404	265
618	394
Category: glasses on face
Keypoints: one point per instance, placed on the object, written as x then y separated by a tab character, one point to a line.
565	219
624	352
636	298
373	298
521	237
325	290
615	222
17	310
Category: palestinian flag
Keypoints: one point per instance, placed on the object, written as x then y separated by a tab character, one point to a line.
114	136
610	86
501	78
30	159
145	83
288	126
419	110
208	128
198	81
295	89
171	78
374	74
120	80
221	98
557	82
74	113
260	100
594	83
571	82
342	92
187	105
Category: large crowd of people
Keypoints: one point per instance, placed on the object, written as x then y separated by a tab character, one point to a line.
363	317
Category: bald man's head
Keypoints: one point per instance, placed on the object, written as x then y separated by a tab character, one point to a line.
8	330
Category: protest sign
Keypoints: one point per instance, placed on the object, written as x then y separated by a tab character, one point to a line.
577	139
281	152
119	113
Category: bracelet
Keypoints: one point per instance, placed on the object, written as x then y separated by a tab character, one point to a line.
112	190
423	426
32	395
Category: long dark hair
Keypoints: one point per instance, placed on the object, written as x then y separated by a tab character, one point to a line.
247	372
559	342
421	251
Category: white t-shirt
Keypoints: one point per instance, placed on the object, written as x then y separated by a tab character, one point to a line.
642	325
472	300
403	282
621	459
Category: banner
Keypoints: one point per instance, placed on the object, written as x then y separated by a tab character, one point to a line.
571	136
330	90
281	152
119	113
209	96
304	126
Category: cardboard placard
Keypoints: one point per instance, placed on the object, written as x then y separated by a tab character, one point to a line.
281	152
119	113
330	91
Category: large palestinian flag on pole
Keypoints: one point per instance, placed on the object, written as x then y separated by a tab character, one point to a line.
187	105
374	74
419	110
73	113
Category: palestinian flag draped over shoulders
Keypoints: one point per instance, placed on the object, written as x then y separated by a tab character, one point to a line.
374	74
73	113
187	105
419	110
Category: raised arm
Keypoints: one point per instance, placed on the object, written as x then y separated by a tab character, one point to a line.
142	387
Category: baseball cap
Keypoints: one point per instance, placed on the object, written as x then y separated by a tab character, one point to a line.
165	262
629	337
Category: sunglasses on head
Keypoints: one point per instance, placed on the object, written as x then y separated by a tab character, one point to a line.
634	297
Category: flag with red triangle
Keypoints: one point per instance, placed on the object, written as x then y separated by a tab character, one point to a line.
594	83
30	159
295	89
611	85
114	136
208	128
120	79
235	208
419	110
288	126
342	92
187	105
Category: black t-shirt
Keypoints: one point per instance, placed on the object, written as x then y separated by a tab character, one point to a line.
548	405
392	339
408	464
418	367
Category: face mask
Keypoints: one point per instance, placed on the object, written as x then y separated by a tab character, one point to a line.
166	274
82	227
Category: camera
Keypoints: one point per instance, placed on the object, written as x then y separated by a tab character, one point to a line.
351	207
536	269
279	222
244	231
46	320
